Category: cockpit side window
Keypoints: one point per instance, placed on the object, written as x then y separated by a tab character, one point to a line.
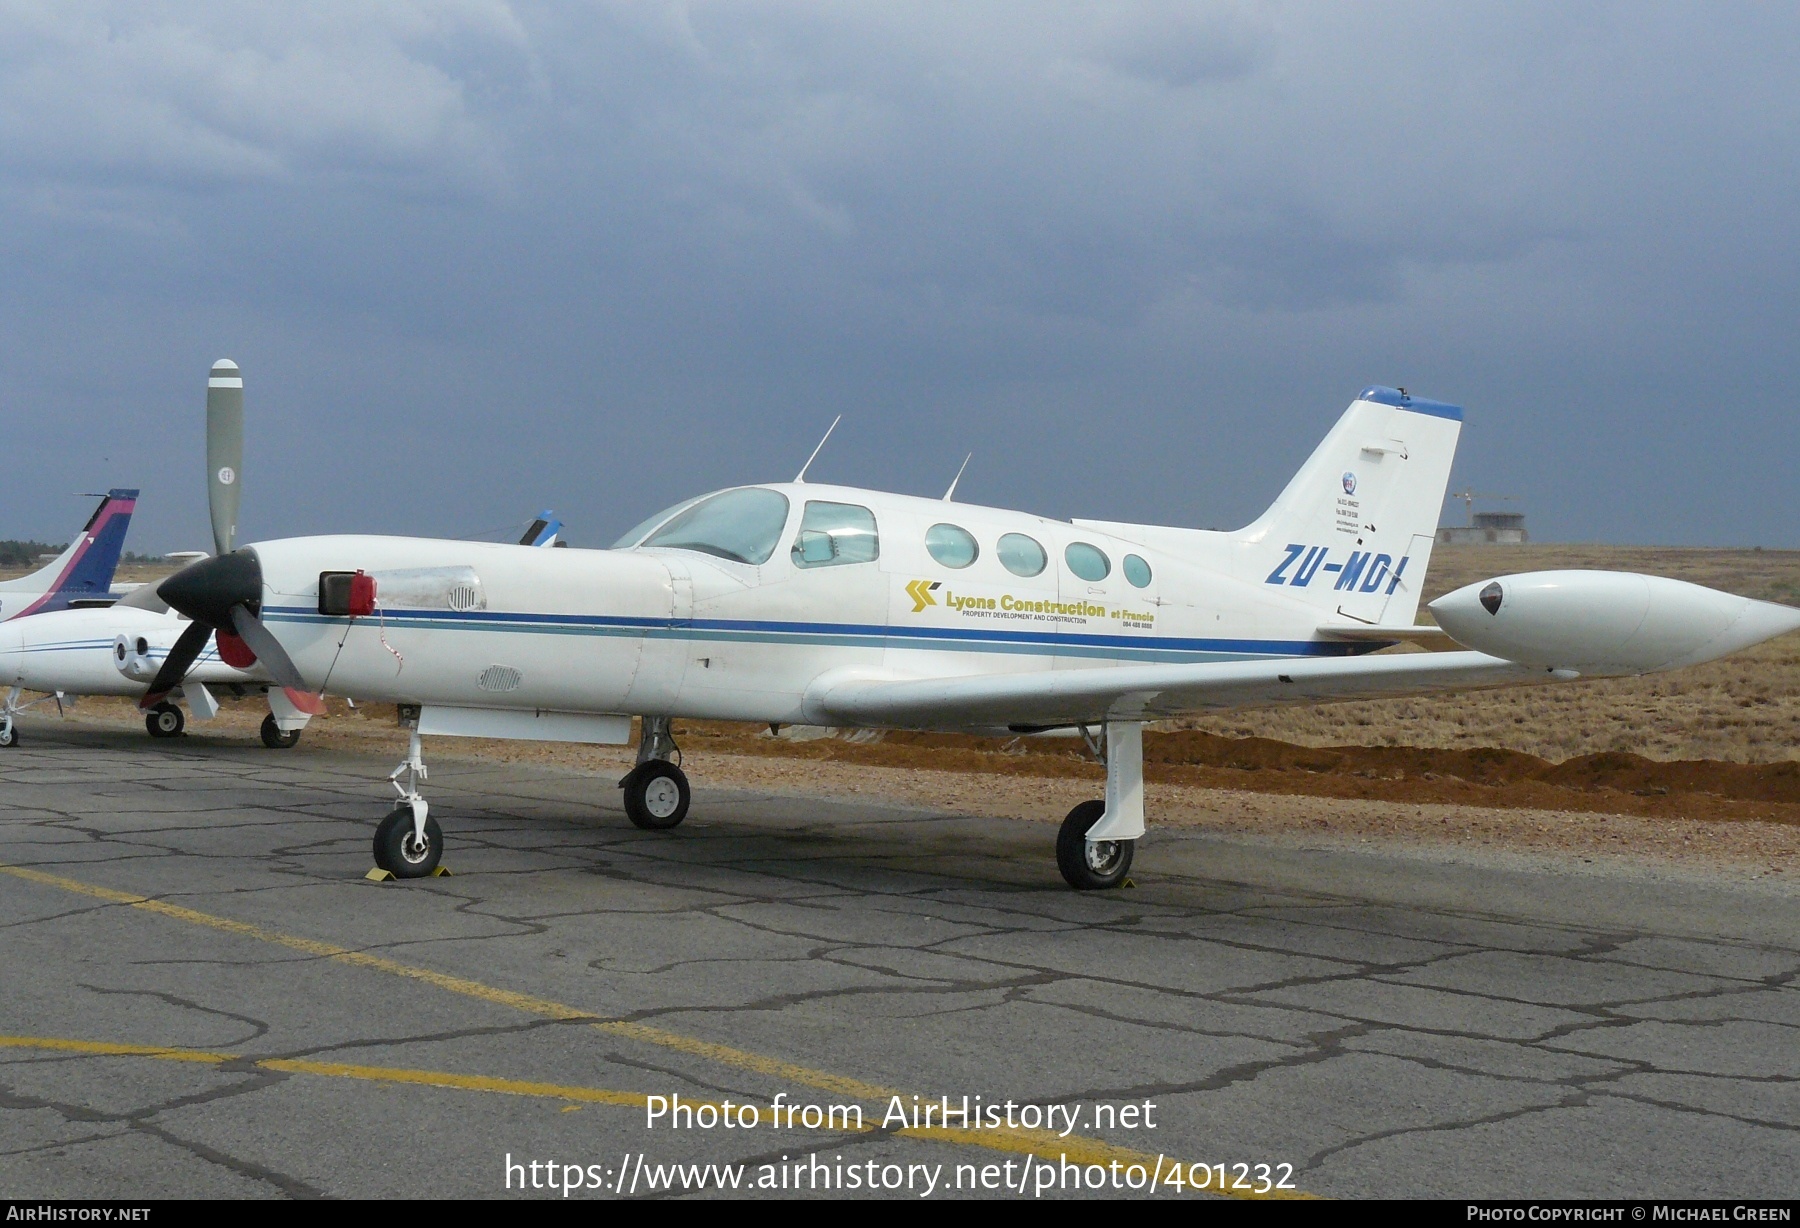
742	525
835	533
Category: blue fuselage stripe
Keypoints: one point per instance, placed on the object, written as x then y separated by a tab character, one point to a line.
849	635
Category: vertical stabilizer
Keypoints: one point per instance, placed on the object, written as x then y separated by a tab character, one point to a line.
83	571
1353	531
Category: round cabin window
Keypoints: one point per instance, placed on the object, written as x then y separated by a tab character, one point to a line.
1087	561
950	545
1021	555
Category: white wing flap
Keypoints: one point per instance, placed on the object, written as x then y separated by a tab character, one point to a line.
1151	692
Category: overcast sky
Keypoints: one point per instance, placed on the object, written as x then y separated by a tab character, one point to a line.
479	258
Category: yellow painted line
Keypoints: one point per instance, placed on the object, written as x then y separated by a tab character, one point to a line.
307	946
342	1070
725	1055
101	1048
460	1082
1043	1144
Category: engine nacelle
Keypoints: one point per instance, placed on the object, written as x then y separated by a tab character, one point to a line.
1606	622
131	653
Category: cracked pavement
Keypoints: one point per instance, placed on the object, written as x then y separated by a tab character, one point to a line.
1388	1026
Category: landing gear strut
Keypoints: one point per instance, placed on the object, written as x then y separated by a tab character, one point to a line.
165	720
409	843
1094	846
656	790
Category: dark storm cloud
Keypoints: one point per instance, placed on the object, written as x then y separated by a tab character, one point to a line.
477	258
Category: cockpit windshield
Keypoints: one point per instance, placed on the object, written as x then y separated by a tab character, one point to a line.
642	529
742	525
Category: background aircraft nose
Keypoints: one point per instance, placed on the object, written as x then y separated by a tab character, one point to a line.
12	655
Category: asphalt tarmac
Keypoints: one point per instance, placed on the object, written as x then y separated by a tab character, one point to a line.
201	995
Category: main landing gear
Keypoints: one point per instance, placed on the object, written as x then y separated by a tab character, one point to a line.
1095	843
275	737
165	720
409	843
656	790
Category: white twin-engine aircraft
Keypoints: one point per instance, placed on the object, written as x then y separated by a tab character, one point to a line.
829	605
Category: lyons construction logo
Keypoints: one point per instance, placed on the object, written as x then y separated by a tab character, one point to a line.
920	591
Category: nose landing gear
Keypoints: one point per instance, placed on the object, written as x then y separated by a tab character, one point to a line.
409	842
402	850
9	732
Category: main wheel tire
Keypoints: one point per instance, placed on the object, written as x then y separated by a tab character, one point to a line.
9	735
1085	866
656	795
165	721
397	852
275	737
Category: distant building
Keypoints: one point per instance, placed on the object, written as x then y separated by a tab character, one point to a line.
1487	529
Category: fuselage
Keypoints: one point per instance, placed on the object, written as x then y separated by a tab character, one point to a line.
98	652
738	617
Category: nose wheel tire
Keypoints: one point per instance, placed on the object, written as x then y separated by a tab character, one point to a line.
656	795
8	736
1090	866
275	737
397	850
165	721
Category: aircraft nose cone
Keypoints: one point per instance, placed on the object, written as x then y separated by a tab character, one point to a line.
205	591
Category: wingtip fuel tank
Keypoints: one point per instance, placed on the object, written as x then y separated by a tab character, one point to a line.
1606	622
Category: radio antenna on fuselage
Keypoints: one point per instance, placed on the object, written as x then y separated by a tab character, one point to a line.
801	476
958	477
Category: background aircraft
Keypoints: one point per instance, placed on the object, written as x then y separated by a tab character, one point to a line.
839	606
116	648
82	575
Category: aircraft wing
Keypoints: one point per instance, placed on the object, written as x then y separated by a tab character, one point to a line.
1152	692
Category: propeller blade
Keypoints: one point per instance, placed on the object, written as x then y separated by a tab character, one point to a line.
175	666
268	650
224	451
